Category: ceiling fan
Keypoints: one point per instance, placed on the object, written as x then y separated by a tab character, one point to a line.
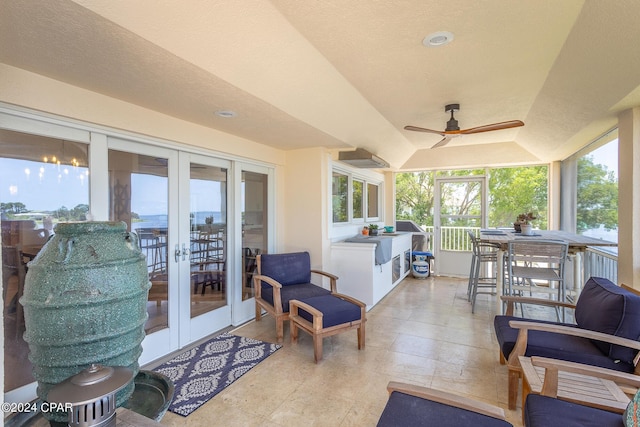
453	130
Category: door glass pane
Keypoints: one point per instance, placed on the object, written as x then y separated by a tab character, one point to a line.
138	195
460	210
43	181
254	226
208	225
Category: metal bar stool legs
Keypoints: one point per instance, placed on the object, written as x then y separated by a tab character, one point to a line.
485	255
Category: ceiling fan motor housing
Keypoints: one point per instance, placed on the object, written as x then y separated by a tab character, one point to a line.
452	124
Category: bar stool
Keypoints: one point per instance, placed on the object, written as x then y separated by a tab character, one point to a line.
483	254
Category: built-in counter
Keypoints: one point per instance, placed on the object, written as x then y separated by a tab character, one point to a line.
360	276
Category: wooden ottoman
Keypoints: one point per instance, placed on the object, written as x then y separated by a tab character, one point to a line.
327	315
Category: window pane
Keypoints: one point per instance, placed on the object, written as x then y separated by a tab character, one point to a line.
372	201
43	181
208	201
358	211
138	195
254	226
339	195
597	193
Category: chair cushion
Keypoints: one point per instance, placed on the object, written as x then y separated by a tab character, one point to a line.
543	411
335	311
605	307
406	410
288	269
555	346
299	292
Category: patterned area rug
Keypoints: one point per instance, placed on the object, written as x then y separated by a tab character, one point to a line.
204	371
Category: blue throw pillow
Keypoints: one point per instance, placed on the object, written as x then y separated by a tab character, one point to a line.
606	307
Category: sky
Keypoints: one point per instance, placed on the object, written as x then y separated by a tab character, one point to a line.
47	187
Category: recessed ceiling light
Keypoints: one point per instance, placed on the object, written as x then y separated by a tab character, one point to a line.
438	38
227	114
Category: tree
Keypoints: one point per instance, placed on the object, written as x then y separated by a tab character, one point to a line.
414	197
513	191
597	197
13	208
79	213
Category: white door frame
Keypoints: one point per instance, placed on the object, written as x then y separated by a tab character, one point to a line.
243	311
454	263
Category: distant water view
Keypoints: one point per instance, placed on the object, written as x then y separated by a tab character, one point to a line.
161	221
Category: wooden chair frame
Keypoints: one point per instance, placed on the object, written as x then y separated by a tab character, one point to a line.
447	399
276	309
315	328
513	362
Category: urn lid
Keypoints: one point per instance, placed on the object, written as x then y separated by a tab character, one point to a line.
90	384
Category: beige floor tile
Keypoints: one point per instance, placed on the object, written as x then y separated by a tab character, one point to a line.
422	333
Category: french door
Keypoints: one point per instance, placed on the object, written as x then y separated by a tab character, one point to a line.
204	245
460	205
177	203
254	203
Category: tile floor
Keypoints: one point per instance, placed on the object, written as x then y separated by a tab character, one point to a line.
423	333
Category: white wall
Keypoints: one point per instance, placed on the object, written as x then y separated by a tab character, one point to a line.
303	191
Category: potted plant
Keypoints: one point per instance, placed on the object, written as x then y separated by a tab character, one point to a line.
523	223
373	230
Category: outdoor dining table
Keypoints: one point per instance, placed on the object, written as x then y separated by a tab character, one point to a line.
577	246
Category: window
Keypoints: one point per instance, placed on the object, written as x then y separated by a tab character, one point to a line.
597	191
339	197
44	181
358	199
372	201
355	198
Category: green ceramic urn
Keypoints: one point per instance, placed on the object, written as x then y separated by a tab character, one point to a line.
85	303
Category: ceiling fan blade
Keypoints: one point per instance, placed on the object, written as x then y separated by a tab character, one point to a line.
495	126
417	129
444	141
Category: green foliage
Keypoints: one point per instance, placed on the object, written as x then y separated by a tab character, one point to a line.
339	197
414	197
511	191
516	190
13	208
597	198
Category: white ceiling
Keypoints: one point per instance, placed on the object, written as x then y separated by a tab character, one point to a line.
344	74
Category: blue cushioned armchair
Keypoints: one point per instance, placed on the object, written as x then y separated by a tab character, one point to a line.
285	277
606	332
411	405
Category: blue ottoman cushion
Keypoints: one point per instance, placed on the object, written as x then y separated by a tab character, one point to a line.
299	292
542	411
335	311
406	410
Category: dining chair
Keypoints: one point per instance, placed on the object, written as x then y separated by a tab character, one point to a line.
484	265
536	266
13	266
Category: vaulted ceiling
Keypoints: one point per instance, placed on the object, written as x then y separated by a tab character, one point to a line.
346	74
